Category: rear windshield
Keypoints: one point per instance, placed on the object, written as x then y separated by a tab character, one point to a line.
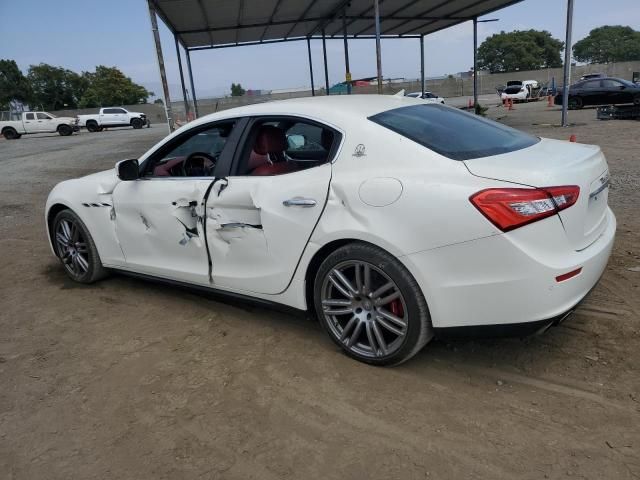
452	133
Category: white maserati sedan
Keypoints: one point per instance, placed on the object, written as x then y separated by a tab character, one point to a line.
392	220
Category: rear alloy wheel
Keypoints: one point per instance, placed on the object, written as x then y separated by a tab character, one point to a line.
65	130
371	306
75	248
10	134
575	103
636	100
137	123
92	126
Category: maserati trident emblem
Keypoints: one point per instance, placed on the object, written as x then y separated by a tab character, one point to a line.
359	151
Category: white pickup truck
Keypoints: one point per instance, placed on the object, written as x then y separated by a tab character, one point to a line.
15	124
113	117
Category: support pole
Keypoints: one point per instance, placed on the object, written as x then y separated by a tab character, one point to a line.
376	5
422	64
326	69
475	63
313	88
567	63
193	88
163	74
347	72
184	90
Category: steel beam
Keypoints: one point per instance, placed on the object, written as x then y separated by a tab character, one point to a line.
347	72
567	64
326	69
376	7
184	90
475	64
163	74
304	14
313	87
422	64
193	88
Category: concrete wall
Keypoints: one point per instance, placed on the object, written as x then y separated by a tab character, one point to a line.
448	87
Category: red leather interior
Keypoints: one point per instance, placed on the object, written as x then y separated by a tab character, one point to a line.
270	143
274	169
270	140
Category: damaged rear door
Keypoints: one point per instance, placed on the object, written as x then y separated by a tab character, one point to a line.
259	226
159	218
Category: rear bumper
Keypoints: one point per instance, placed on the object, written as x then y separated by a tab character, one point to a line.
523	329
509	279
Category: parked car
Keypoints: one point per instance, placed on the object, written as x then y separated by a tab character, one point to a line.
393	220
520	91
113	117
15	124
601	91
428	96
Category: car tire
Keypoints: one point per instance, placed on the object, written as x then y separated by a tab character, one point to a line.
10	134
65	130
75	248
381	321
92	126
575	103
636	100
137	123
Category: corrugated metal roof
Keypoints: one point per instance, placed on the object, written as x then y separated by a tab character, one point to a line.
216	23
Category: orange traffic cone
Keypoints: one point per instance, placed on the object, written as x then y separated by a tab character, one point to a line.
572	138
510	104
470	104
549	101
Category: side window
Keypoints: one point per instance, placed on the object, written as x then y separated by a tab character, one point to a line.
591	85
111	110
280	146
193	155
43	116
118	110
30	116
611	84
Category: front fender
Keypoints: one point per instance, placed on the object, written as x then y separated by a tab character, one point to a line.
91	199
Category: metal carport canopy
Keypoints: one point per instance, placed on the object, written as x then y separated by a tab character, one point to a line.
201	24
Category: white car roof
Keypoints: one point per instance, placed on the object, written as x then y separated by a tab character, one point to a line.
333	108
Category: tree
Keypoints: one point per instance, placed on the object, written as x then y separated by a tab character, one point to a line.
55	88
109	86
158	101
608	44
14	86
519	50
237	90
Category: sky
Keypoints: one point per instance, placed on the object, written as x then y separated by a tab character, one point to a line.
80	34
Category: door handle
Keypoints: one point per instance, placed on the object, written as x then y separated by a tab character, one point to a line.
300	202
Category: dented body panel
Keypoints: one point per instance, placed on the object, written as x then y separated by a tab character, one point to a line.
255	240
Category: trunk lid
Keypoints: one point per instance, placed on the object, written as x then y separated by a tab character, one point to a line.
551	163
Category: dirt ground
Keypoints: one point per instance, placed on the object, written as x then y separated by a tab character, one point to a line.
126	379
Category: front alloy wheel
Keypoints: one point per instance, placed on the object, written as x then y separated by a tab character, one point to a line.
75	248
371	306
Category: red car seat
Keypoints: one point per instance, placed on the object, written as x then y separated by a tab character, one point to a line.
267	156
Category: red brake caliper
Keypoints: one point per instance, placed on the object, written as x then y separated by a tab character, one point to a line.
396	308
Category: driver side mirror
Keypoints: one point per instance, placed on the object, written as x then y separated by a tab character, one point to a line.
128	169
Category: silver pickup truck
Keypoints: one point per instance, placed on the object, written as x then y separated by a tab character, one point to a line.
15	124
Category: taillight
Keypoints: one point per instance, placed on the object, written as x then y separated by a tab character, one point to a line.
509	208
